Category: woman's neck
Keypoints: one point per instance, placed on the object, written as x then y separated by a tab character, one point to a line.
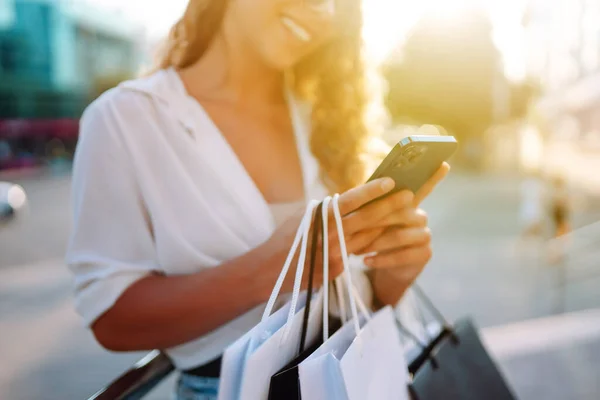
230	71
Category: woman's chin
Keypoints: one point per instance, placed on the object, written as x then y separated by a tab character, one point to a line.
282	64
282	61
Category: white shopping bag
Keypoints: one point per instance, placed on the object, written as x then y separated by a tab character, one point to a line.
249	363
320	375
358	362
277	351
233	362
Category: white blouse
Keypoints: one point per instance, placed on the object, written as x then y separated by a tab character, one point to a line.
156	187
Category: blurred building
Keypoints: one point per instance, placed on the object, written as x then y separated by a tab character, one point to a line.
53	52
55	55
564	53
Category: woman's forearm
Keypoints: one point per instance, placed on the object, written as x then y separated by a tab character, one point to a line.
159	312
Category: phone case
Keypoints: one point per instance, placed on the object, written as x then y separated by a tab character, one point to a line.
415	159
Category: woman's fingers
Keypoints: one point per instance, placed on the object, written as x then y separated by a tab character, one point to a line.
407	217
399	238
399	258
389	232
357	197
363	239
428	187
375	213
354	243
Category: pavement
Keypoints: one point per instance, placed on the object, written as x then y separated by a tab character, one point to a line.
550	358
46	353
477	256
477	270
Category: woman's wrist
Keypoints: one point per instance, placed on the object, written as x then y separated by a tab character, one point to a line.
388	289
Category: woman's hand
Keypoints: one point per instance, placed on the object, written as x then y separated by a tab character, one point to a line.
372	226
400	255
403	250
392	227
406	239
402	245
362	220
400	224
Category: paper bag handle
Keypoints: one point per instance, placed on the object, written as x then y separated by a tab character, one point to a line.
301	235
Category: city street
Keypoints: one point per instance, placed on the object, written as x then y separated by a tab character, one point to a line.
520	96
46	352
476	271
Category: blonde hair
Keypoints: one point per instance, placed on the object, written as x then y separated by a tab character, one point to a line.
335	81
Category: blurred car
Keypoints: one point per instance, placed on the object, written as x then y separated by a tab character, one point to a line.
27	143
12	200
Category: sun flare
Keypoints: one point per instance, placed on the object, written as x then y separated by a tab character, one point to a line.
388	22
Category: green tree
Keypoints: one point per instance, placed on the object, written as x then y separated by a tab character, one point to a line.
447	74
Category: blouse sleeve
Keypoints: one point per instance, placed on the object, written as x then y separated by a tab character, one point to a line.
111	244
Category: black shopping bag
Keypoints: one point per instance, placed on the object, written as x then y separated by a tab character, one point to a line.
455	364
458	368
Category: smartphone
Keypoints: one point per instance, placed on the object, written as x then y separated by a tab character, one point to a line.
415	159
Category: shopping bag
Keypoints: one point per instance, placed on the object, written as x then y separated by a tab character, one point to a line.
455	364
234	359
372	367
364	360
277	351
282	347
320	375
285	383
249	362
461	368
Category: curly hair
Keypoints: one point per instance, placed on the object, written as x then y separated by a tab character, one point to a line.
335	81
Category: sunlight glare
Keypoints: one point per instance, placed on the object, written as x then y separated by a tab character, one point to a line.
387	22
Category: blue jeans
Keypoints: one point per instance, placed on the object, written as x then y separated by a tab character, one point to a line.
192	387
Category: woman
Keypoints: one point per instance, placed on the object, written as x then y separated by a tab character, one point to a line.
189	184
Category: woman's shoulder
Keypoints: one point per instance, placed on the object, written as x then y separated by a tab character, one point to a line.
137	94
133	106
